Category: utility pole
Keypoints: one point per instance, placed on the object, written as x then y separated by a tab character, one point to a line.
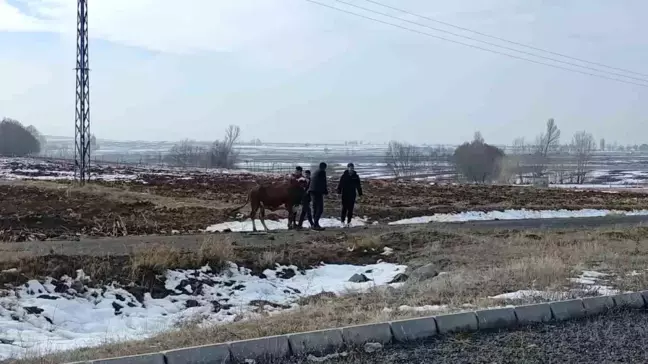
82	112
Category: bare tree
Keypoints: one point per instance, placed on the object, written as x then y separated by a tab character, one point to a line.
602	144
478	137
546	143
479	162
402	159
519	145
185	154
583	144
550	140
222	153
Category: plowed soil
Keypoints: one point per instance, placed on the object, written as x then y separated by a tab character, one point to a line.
176	204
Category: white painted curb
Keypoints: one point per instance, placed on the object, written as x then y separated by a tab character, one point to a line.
331	340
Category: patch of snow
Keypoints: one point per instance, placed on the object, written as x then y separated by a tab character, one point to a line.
526	294
426	308
36	318
372	347
594	274
387	251
239	226
591	281
322	359
581	280
515	215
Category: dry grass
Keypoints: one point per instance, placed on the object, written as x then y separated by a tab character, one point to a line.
475	265
213	252
140	267
365	242
269	259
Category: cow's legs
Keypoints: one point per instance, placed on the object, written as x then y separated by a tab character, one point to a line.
252	216
291	216
262	217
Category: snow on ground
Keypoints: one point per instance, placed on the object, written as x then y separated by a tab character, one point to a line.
277	225
522	214
49	316
591	282
525	294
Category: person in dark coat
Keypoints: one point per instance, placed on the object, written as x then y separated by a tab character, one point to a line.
297	174
305	204
348	187
317	190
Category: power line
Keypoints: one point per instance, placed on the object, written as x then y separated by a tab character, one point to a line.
491	43
504	40
474	46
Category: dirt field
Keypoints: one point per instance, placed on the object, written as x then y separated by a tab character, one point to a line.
175	204
40	221
470	267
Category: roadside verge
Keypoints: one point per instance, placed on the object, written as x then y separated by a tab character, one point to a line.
334	340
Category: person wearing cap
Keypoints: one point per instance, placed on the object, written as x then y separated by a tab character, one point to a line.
348	186
317	189
297	174
305	204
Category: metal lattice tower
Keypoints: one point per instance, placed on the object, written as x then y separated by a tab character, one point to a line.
82	114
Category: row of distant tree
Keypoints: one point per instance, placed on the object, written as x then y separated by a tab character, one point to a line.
480	162
221	153
18	140
477	161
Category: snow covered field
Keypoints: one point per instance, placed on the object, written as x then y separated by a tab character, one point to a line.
282	162
44	317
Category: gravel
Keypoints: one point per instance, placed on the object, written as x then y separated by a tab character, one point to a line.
618	337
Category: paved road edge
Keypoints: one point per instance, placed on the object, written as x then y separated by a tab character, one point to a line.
335	340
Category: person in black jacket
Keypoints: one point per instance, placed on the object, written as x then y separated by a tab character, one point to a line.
317	189
348	186
305	204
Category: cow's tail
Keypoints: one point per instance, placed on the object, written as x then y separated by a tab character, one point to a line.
237	209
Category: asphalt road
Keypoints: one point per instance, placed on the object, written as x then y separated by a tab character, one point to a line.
128	244
620	337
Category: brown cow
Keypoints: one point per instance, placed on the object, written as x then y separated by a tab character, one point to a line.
287	194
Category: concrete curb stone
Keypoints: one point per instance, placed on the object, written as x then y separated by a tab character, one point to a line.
565	310
499	318
598	305
332	340
631	300
316	342
362	334
271	347
207	354
457	322
535	313
414	329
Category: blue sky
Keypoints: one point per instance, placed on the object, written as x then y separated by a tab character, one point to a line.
289	70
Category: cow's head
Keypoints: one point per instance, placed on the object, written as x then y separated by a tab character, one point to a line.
299	182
